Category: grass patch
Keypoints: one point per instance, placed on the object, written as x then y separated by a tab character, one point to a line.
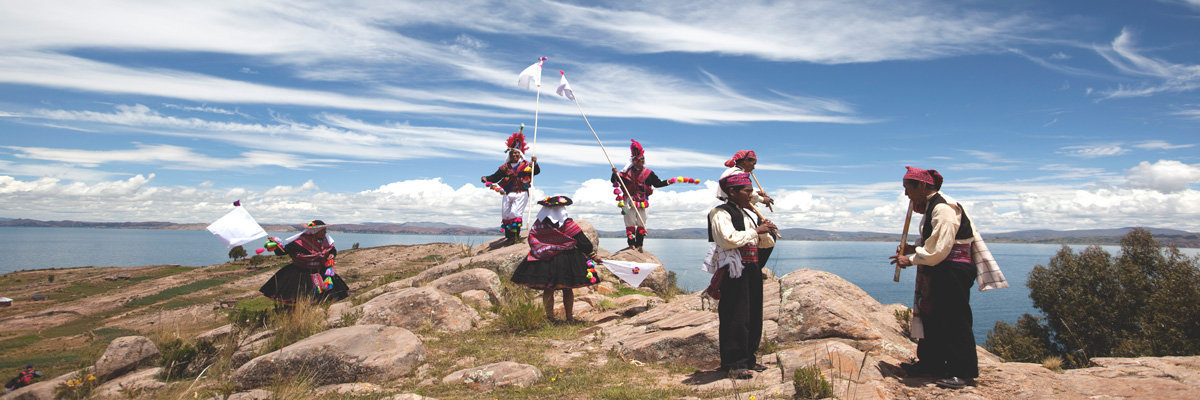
810	383
178	291
519	310
296	323
625	291
17	342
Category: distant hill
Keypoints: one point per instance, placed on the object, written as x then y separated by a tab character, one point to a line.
1167	237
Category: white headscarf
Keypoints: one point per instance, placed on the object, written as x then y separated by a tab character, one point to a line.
557	214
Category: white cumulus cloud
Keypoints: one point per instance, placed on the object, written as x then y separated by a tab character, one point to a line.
1163	175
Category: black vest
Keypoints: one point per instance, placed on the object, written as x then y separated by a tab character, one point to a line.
964	225
736	215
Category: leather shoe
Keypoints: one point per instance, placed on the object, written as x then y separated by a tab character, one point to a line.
740	373
953	382
759	367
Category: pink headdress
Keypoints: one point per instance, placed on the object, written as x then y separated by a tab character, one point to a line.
740	155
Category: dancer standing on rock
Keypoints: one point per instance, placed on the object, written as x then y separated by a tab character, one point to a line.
310	275
640	182
739	285
561	257
512	180
945	274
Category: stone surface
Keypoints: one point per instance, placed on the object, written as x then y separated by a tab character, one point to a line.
216	334
675	332
476	298
471	279
490	376
416	308
137	384
125	354
349	389
818	304
361	353
409	396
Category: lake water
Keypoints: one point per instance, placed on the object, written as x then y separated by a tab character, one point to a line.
864	264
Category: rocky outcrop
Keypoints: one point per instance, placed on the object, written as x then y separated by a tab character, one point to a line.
43	390
680	331
472	279
491	376
137	384
361	353
256	394
417	308
125	354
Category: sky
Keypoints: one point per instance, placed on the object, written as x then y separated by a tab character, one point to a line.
1040	115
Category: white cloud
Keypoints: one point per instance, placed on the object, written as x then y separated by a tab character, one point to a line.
170	157
1060	56
1167	76
1190	114
1164	175
1094	151
338	136
1161	145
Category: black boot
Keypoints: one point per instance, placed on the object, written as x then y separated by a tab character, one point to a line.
641	238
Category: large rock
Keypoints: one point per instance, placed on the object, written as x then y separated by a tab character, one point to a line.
125	354
488	377
840	360
680	332
415	308
361	353
471	279
137	384
256	394
818	304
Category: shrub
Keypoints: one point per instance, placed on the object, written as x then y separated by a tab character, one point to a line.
904	318
183	360
294	323
1145	302
1053	363
355	246
1027	341
519	311
258	259
810	383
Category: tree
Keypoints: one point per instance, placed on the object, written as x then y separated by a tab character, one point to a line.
237	253
1146	302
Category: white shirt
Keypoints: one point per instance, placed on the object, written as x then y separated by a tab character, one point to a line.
946	220
724	234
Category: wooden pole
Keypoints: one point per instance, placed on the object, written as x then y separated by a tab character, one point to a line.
760	188
903	241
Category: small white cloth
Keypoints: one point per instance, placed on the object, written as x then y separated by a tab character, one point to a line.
625	270
531	74
718	257
237	228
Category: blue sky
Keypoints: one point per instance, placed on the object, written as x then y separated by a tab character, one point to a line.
1059	115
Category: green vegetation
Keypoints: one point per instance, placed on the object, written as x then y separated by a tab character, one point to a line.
237	253
1145	302
810	383
520	310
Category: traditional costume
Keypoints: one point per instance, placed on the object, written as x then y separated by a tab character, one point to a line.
739	287
310	274
514	178
945	274
559	252
766	241
640	183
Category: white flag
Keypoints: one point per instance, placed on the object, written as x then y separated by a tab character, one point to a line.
531	74
564	88
237	228
632	272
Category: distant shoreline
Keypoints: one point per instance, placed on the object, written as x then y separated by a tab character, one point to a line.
1166	237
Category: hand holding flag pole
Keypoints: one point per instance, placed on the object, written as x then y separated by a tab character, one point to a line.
564	90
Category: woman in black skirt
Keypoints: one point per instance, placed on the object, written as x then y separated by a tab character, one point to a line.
310	275
560	256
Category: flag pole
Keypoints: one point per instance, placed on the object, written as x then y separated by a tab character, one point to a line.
903	241
537	103
610	162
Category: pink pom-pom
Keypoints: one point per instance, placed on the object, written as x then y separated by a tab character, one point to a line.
616	191
259	251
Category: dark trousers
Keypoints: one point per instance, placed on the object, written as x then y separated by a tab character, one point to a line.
948	348
741	314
